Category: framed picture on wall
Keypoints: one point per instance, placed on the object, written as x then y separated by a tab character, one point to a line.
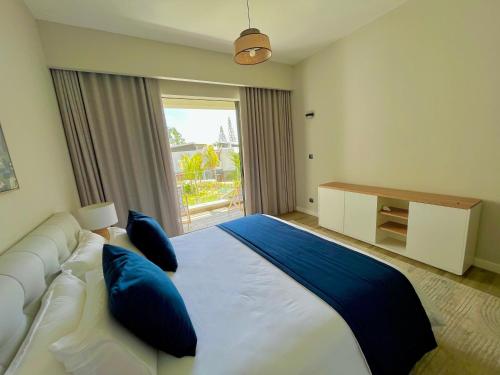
8	179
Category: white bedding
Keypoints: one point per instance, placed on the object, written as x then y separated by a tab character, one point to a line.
251	318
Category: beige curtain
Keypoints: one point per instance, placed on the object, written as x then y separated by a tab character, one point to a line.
79	139
118	142
267	150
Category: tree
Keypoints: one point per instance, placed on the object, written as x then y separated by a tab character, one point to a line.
210	157
236	160
175	138
230	131
192	166
222	136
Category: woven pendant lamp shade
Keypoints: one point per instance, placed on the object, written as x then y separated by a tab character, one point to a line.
252	47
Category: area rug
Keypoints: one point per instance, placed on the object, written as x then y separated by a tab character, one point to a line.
469	340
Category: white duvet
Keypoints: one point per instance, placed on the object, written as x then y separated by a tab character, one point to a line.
251	318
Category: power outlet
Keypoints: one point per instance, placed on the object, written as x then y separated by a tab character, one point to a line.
311	200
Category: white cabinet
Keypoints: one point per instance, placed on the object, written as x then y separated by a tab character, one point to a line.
439	230
360	216
438	236
331	209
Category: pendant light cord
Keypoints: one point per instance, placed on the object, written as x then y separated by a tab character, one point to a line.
248	14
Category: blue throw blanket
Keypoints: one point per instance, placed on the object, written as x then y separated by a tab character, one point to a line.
377	301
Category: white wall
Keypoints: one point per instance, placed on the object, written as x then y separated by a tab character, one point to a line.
410	101
32	127
198	90
78	48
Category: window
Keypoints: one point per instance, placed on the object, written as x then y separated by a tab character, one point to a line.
203	136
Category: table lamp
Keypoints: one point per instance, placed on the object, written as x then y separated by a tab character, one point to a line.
98	217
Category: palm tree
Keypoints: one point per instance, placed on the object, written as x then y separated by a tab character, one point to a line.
210	157
236	160
192	167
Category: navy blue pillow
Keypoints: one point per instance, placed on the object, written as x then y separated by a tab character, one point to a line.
149	237
144	300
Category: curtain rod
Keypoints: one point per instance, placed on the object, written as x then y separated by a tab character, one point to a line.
168	78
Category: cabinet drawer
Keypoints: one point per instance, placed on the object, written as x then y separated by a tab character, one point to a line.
360	216
331	209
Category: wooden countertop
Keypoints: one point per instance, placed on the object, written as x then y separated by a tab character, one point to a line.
407	195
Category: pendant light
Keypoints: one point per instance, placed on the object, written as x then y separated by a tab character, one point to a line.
252	47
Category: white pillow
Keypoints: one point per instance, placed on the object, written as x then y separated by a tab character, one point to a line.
59	315
100	345
87	255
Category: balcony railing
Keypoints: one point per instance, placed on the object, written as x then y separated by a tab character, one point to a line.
207	202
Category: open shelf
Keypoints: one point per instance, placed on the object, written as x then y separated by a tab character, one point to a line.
392	244
400	213
395	228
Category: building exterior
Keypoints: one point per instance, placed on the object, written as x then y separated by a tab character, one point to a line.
223	151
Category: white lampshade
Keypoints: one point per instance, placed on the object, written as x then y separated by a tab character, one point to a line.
98	216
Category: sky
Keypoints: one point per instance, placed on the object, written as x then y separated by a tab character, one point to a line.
200	125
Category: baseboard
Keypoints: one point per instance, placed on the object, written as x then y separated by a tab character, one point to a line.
487	265
306	211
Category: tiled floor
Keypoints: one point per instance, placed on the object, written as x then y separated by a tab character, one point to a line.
475	277
209	218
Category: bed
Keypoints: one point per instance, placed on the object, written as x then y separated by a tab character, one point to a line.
249	316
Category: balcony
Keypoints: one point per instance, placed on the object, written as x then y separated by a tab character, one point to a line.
209	202
210	216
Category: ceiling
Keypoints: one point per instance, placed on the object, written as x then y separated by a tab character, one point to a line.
297	28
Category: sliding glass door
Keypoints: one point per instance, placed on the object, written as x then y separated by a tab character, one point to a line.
204	139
